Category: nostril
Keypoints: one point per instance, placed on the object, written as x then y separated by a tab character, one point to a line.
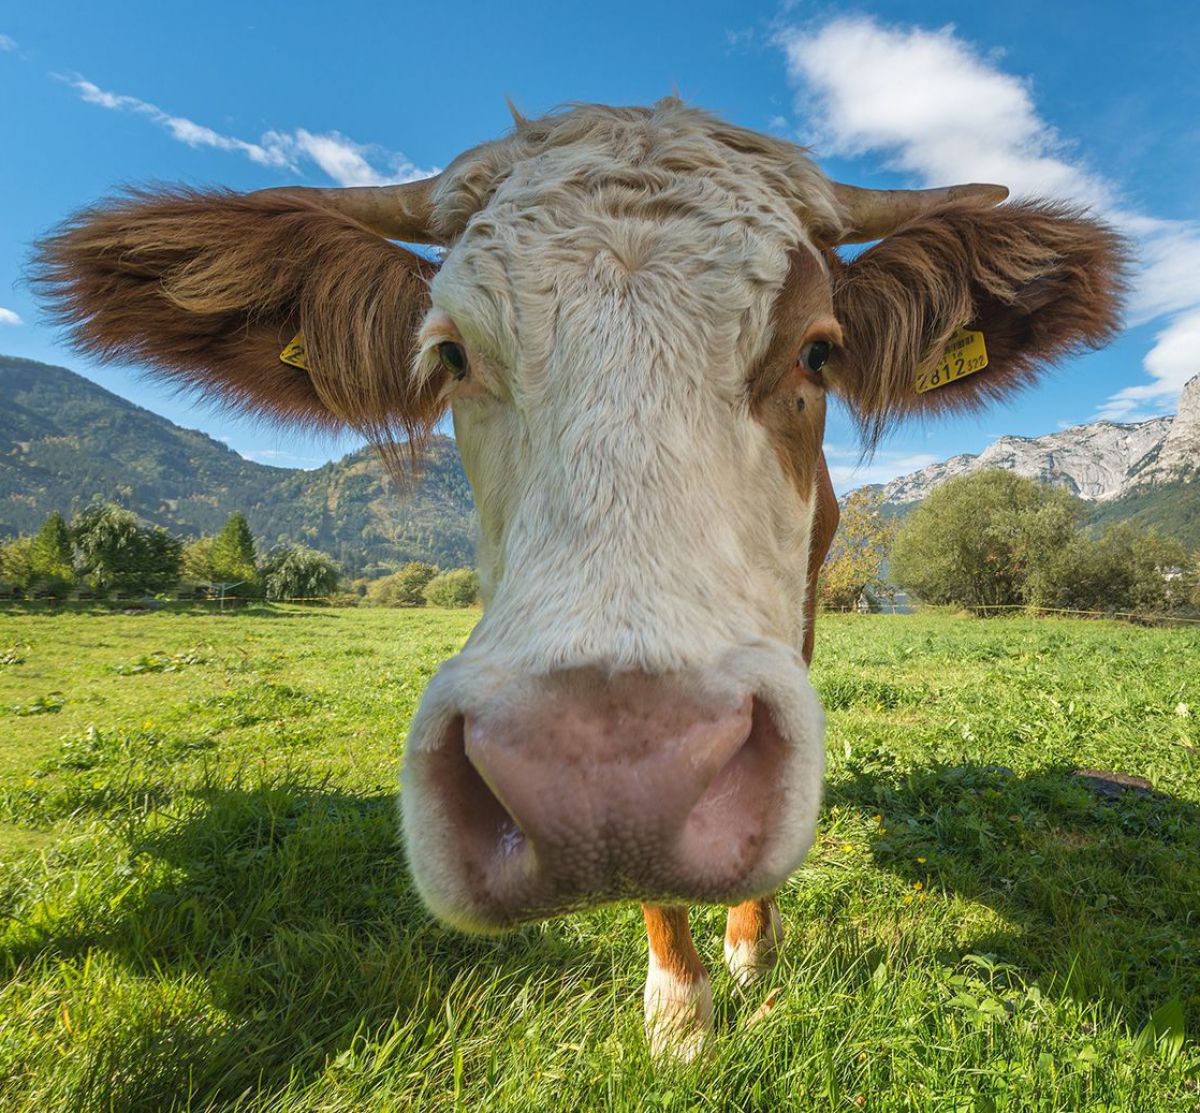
472	807
727	827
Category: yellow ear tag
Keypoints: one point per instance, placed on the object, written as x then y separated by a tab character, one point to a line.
964	355
294	353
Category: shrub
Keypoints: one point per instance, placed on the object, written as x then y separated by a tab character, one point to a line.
403	588
1122	570
344	599
457	588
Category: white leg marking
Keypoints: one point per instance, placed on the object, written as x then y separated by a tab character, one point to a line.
750	959
679	1013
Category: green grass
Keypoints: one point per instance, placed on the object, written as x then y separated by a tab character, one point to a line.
203	904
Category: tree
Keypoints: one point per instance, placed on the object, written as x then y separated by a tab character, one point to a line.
985	539
403	588
51	561
856	557
457	588
197	560
119	555
231	559
15	563
298	572
1122	570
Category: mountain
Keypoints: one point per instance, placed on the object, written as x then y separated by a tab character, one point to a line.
1146	472
1177	458
64	442
1091	461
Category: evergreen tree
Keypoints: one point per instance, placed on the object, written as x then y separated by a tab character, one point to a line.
51	563
232	558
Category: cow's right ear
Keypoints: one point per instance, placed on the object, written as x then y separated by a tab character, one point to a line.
208	288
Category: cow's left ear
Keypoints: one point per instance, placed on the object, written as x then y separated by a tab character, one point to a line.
1039	281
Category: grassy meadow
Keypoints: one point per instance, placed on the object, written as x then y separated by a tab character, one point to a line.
203	904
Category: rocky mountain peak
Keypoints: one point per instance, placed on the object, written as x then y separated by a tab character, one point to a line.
1178	457
1097	462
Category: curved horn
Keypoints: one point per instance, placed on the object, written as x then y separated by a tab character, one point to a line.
396	212
873	213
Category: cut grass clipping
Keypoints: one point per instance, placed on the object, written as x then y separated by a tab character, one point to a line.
203	904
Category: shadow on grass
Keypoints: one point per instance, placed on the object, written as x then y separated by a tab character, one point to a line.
289	905
1102	889
293	907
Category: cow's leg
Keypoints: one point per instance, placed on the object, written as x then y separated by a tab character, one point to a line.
753	936
679	1005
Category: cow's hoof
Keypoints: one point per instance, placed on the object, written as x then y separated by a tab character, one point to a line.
679	1016
750	960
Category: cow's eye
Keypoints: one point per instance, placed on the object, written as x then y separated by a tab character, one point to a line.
814	356
454	358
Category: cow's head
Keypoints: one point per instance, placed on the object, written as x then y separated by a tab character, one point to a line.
636	325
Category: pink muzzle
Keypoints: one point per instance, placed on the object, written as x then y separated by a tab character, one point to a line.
581	787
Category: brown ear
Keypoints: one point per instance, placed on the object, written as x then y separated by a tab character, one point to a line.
207	288
1040	281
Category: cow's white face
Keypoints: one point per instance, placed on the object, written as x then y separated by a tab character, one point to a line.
643	546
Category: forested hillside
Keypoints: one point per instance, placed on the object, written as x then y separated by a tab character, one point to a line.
66	442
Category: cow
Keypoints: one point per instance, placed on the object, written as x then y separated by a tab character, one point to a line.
637	320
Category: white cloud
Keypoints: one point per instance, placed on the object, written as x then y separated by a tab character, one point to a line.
279	458
8	317
7	43
342	159
1173	360
939	110
848	470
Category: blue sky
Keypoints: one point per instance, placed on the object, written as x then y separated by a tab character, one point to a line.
1092	101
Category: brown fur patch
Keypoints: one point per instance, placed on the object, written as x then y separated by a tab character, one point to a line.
1040	280
671	941
749	921
825	524
207	288
788	400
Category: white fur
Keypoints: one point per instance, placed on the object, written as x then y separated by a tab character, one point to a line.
679	1014
613	281
750	959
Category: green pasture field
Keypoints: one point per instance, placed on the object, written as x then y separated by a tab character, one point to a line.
203	904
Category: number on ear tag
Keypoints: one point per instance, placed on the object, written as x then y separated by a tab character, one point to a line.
964	355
